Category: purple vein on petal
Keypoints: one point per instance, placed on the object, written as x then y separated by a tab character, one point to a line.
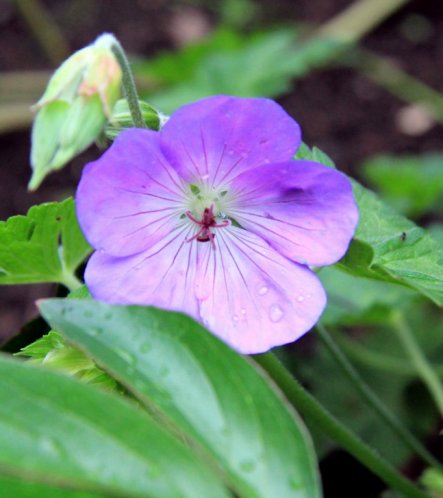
191	159
143	212
219	164
148	195
241	213
154	180
168	172
204	151
250	244
274	232
228	295
169	242
245	282
174	258
187	269
237	162
139	229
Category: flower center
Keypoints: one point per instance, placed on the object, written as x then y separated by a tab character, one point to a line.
206	224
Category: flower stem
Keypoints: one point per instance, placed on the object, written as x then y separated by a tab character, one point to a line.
418	359
372	399
314	412
129	87
70	281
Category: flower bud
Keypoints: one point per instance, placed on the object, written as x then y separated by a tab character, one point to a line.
121	118
74	108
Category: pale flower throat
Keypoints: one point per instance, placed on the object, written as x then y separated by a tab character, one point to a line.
207	209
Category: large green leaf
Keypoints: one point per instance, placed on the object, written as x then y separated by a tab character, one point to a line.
389	247
46	245
197	383
57	431
13	487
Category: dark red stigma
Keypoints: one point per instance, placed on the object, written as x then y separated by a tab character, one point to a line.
207	222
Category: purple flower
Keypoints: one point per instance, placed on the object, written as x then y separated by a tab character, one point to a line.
211	216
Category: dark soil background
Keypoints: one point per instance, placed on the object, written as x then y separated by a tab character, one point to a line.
341	111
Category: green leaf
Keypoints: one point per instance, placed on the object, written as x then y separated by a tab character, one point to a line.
389	247
207	391
59	432
314	154
18	488
46	245
411	184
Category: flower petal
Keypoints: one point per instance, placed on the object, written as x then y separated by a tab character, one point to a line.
305	210
217	138
129	198
252	297
162	276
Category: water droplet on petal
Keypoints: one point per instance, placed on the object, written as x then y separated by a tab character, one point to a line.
300	299
235	318
275	313
263	290
243	311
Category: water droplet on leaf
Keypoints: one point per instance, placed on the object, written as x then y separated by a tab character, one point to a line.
126	356
145	347
247	466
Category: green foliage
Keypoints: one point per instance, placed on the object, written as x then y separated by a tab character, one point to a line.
432	479
201	388
413	185
58	432
382	363
53	351
227	63
354	300
389	247
314	154
46	245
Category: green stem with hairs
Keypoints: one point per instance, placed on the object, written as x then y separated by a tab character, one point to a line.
418	359
129	87
313	412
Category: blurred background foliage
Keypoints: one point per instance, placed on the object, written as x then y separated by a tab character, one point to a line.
366	92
